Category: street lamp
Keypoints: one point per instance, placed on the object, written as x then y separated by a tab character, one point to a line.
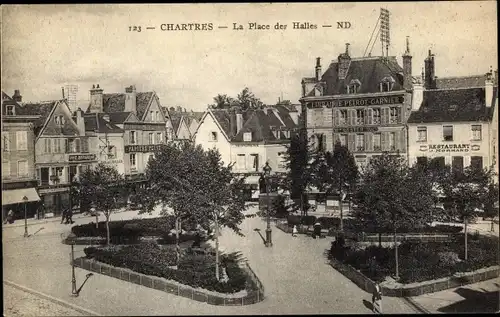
74	291
267	172
25	199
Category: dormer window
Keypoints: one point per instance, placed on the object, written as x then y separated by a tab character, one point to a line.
247	136
9	111
353	86
287	134
59	120
387	84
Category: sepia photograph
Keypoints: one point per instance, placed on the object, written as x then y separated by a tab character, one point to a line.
250	158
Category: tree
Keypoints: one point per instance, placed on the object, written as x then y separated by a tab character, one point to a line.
103	186
393	196
468	191
245	100
491	203
336	173
299	175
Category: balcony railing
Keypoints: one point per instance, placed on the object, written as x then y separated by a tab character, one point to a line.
360	148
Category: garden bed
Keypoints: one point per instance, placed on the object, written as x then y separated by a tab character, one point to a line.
150	265
420	262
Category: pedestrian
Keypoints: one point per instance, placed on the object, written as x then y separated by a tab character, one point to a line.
377	299
294	231
317	230
63	215
10	217
69	216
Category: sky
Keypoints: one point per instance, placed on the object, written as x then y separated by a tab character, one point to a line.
45	47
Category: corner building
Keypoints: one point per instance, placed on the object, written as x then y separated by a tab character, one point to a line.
360	102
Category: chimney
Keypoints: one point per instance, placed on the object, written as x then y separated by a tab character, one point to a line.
96	99
418	95
344	60
62	90
430	80
488	88
407	82
130	99
318	68
80	121
17	96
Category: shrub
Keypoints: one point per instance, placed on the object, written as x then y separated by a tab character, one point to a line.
196	270
308	220
329	222
293	220
448	258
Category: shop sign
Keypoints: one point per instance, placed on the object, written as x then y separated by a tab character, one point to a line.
142	148
82	157
358	102
53	190
440	148
355	129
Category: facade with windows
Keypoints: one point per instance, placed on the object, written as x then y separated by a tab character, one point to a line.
452	123
249	139
18	159
362	103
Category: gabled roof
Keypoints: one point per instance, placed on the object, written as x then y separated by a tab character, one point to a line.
475	81
42	109
116	102
176	122
369	71
118	117
95	122
437	106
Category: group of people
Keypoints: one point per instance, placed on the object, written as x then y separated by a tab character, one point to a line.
67	216
316	230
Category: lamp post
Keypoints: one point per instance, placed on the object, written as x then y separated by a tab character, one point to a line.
25	199
267	172
73	278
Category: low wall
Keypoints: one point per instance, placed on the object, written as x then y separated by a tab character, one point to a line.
255	290
416	289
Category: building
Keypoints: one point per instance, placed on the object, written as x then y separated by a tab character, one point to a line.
184	123
249	139
454	120
360	102
18	159
132	125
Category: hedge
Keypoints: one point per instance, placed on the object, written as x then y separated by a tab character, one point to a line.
134	227
196	270
420	261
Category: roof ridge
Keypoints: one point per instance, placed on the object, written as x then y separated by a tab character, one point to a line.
456	77
455	88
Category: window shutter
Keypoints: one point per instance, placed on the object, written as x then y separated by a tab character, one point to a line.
402	140
400	114
368	141
369	115
66	146
351	116
397	140
336	117
384	115
351	142
384	141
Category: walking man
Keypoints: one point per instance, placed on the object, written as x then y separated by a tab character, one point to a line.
294	231
377	300
63	216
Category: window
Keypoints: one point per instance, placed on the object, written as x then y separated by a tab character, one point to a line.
422	134
353	86
159	137
360	142
9	110
111	152
5	169
151	138
57	145
48	146
153	118
73	146
240	161
343	116
157	116
132	137
247	136
133	162
22	140
448	133
255	161
376	115
56	120
5	142
22	168
376	142
343	139
387	84
422	161
457	163
360	116
85	145
392	141
476	162
321	142
63	121
213	136
394	115
44	176
476	133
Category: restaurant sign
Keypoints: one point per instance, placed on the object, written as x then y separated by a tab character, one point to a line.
82	157
355	129
440	148
358	102
142	148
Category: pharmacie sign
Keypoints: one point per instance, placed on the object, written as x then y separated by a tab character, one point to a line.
358	102
82	157
142	148
440	148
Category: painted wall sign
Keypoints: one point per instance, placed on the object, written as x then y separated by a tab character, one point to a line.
142	148
358	102
53	190
114	161
355	129
449	148
82	157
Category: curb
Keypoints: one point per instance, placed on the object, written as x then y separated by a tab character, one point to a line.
416	306
53	299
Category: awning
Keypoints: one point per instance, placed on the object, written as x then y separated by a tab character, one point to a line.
15	196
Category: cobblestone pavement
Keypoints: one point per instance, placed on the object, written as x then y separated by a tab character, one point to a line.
294	272
17	302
